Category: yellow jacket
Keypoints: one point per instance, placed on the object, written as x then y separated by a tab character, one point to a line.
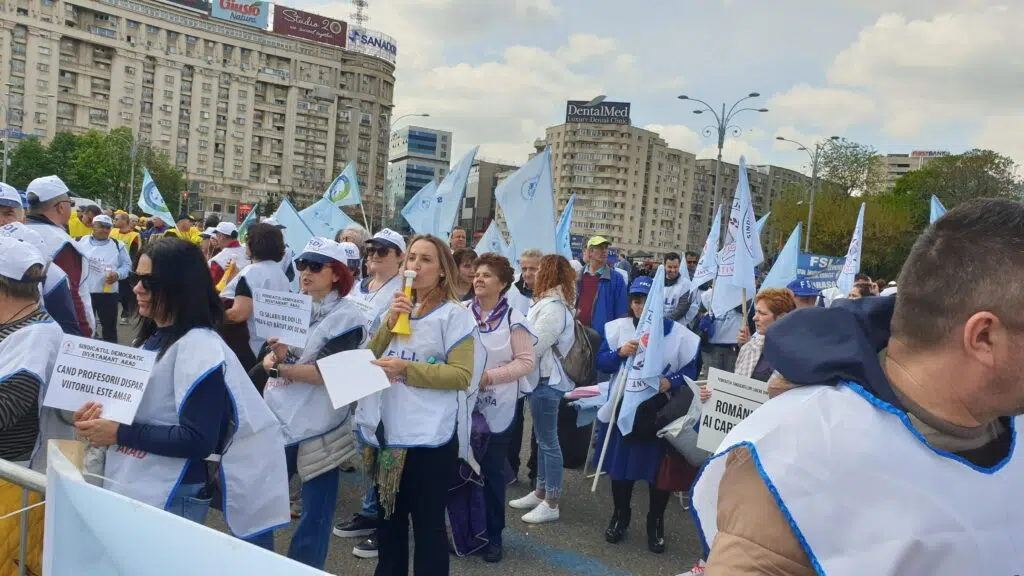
10	500
77	228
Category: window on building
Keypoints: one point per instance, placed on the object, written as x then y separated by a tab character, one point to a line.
43	84
44	50
129	71
169	79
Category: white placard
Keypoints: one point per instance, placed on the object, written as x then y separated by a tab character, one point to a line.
733	398
92	370
349	376
282	315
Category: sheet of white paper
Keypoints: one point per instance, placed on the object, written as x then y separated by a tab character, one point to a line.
349	376
92	370
282	315
733	398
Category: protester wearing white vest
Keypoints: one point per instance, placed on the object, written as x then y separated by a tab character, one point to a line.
506	336
317	438
199	407
897	455
678	296
631	458
265	247
29	341
384	253
520	297
49	210
229	251
57	299
110	264
420	424
552	321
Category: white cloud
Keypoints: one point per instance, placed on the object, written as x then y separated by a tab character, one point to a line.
829	109
678	136
583	47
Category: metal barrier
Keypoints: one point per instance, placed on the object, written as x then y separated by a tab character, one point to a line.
30	481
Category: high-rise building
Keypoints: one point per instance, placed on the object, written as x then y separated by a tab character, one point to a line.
478	204
417	155
630	186
247	113
897	165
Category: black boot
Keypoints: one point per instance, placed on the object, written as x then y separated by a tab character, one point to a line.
656	534
617	527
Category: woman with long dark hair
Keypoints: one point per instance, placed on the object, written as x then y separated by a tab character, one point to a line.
199	407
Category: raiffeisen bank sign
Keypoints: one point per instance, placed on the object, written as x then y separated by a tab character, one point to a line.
603	113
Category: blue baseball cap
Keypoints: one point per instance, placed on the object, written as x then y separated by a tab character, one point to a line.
803	288
641	285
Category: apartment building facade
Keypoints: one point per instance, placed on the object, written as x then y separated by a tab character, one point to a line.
897	165
246	113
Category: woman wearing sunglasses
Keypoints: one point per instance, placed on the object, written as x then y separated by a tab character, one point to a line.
199	407
265	247
317	439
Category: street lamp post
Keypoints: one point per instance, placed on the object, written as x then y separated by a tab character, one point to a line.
391	128
723	125
815	157
133	148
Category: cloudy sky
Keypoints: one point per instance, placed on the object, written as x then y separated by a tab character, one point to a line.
900	75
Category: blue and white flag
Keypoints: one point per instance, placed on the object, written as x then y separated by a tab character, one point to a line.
740	253
250	218
152	202
492	241
707	266
296	232
784	270
419	210
449	196
644	376
344	190
852	265
527	200
762	222
513	255
324	218
937	210
562	241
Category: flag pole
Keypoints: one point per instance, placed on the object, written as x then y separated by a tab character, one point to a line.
363	210
612	420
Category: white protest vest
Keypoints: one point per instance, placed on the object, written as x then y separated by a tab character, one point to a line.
904	508
235	253
518	301
674	292
305	410
680	349
415	417
56	238
101	257
253	471
497	402
374	303
264	275
33	350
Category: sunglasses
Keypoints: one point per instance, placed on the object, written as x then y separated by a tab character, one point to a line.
148	281
314	267
378	250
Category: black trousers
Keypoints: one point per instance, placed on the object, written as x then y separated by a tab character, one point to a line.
492	466
423	495
128	301
104	305
622	494
515	444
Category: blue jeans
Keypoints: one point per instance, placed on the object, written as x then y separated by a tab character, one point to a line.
186	504
369	504
319	498
544	403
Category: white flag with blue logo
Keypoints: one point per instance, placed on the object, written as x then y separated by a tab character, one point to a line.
707	266
937	210
152	202
740	253
852	265
492	241
419	210
527	200
644	371
784	269
761	223
562	238
344	190
449	196
325	218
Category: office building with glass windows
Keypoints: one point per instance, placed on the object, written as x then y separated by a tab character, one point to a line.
418	155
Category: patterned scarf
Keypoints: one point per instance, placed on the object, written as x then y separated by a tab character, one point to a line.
493	318
749	354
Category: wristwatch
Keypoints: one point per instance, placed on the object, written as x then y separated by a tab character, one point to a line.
274	372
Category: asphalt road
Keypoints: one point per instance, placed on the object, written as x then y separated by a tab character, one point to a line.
574	545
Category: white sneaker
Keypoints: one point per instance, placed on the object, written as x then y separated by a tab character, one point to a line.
528	502
541	514
697	569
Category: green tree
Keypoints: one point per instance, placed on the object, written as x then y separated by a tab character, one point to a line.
961	177
91	172
851	167
26	162
61	152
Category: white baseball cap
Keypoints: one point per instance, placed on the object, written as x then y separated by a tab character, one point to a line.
16	257
46	188
227	228
104	220
350	250
9	196
324	251
208	233
388	236
22	233
273	222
